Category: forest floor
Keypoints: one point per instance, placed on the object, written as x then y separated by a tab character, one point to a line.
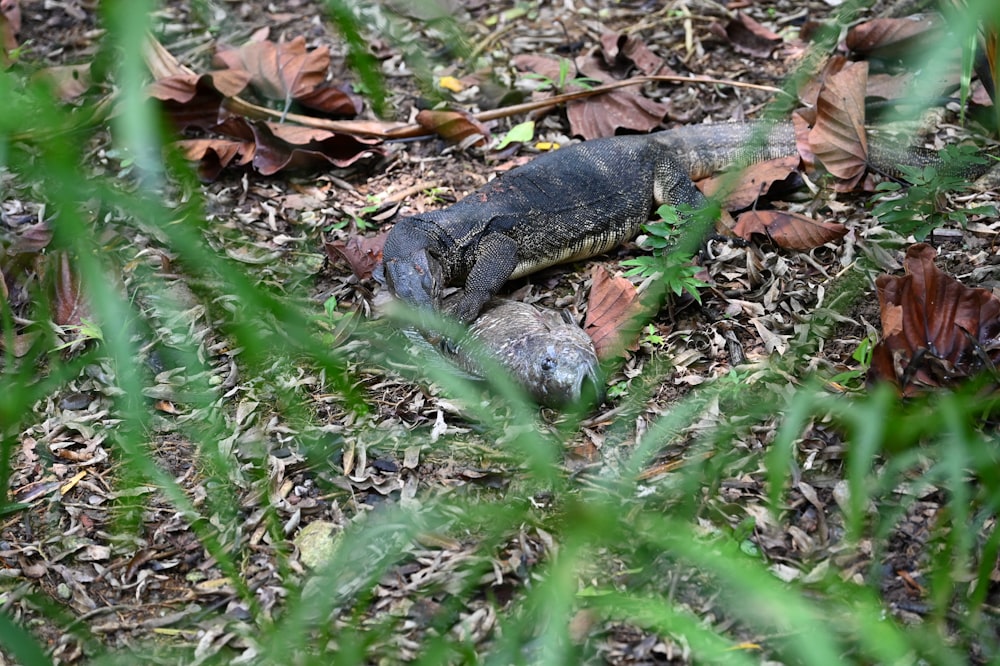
160	585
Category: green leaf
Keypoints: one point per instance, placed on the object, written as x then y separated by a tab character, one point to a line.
520	133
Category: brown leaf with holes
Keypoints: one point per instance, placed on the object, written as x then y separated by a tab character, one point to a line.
611	311
838	138
894	37
935	330
279	70
362	253
742	189
790	231
750	37
68	304
454	126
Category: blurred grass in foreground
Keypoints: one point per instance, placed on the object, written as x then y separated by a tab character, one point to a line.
658	533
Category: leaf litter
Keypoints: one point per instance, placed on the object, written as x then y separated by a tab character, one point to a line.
127	591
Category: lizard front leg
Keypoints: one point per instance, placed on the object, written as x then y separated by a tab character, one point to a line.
495	258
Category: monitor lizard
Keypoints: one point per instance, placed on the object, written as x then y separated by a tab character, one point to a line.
574	203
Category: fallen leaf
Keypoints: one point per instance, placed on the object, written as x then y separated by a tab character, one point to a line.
213	155
68	305
790	231
742	189
68	81
192	101
838	138
184	88
894	37
166	407
599	115
454	126
621	52
935	330
279	70
603	115
810	89
30	238
360	252
611	310
338	101
293	147
750	37
10	25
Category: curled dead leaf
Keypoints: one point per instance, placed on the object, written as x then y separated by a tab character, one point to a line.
742	189
750	37
214	155
293	147
791	231
192	101
68	306
338	101
893	36
10	25
611	311
935	330
360	252
621	52
279	70
838	138
454	126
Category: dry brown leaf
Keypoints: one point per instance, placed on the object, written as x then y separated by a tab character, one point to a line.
744	188
360	252
750	37
611	309
604	115
621	52
935	330
600	115
68	306
809	92
891	37
184	88
338	101
10	25
279	70
214	155
292	147
30	238
68	81
838	138
790	231
192	101
454	126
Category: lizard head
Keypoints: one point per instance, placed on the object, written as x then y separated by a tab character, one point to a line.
415	278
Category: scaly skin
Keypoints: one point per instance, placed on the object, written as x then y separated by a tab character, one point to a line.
563	206
575	203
